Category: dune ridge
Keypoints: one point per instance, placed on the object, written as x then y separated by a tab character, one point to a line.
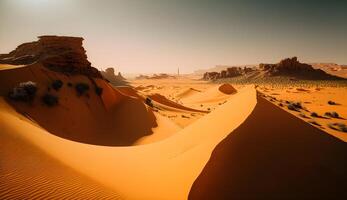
282	159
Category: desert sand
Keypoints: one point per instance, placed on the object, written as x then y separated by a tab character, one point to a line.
314	99
68	132
170	165
274	155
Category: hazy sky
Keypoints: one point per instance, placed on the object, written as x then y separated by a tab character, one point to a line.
160	35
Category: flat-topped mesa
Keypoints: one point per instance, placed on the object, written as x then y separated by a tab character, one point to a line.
58	53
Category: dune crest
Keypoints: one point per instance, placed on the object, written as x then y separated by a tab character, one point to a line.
274	159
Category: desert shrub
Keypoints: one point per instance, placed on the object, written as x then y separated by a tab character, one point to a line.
332	103
339	127
149	102
291	107
332	114
81	88
98	90
57	84
50	100
26	92
295	106
314	114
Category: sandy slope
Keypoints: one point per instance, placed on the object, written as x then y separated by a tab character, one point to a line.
274	155
27	172
169	96
103	120
161	170
210	97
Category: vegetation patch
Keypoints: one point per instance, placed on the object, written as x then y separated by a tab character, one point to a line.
81	88
25	92
50	100
98	90
332	103
57	84
339	127
332	114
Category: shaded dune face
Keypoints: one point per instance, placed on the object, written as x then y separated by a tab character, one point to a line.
274	155
227	89
163	100
111	119
188	92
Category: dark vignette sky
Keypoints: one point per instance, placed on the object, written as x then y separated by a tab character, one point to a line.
161	35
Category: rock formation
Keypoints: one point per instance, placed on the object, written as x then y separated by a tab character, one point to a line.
58	53
114	79
292	67
228	73
289	67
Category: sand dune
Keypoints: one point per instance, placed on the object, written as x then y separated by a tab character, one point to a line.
161	170
218	93
26	172
110	117
163	100
274	155
187	93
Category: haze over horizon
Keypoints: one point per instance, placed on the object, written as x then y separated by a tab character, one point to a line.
151	36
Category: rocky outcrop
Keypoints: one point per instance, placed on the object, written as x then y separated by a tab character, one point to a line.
228	73
109	74
211	76
292	67
289	67
58	53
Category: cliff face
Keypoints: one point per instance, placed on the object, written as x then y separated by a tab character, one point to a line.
58	53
